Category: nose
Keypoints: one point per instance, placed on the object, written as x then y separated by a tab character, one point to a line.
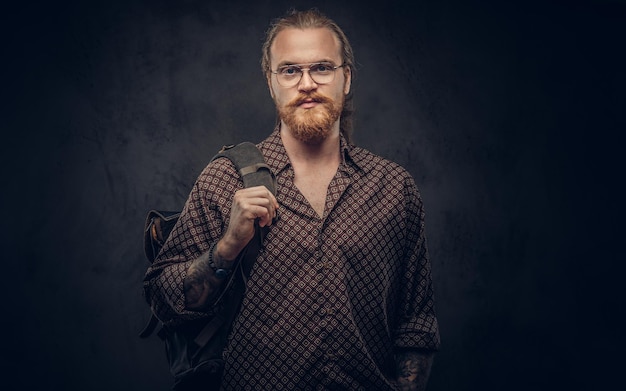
306	81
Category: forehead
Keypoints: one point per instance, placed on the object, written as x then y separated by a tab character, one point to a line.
295	46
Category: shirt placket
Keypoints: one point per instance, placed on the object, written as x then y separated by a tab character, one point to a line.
329	287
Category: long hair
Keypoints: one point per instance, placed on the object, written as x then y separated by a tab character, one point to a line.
314	19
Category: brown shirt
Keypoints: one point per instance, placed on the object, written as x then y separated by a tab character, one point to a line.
330	299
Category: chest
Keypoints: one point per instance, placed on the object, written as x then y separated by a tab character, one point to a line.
313	184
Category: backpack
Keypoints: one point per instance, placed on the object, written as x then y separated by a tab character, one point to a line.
194	349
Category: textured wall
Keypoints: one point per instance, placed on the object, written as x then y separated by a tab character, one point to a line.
507	116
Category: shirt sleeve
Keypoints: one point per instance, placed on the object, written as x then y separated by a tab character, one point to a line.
200	225
418	327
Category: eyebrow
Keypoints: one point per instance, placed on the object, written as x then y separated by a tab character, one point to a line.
288	63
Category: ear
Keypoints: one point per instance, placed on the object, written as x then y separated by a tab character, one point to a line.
269	84
348	75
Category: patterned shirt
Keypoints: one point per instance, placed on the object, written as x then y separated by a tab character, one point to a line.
330	299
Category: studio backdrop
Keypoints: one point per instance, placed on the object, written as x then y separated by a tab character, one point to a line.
505	113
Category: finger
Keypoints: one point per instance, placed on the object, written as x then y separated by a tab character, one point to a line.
258	195
261	192
273	198
273	201
256	190
261	214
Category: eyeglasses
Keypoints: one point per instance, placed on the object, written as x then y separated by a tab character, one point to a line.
320	72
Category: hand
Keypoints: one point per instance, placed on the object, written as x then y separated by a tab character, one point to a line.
413	370
249	204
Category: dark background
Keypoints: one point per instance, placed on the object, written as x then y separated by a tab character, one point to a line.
508	114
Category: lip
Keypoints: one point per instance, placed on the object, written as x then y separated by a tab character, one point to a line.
308	103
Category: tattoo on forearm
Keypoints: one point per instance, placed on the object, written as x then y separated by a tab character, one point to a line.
196	284
413	370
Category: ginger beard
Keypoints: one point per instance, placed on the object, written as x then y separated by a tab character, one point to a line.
312	125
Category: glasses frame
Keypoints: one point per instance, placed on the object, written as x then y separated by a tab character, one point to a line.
306	67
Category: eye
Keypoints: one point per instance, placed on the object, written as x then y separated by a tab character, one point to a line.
321	68
289	70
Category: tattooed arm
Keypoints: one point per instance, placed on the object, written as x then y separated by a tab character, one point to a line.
413	369
200	284
249	205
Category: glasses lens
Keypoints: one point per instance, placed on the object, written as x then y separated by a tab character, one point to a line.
289	75
322	73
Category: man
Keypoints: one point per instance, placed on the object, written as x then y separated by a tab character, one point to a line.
340	296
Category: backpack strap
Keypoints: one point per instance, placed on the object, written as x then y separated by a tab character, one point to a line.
250	164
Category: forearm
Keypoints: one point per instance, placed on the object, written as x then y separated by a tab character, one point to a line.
413	368
201	282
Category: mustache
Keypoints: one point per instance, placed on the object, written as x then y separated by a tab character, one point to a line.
314	96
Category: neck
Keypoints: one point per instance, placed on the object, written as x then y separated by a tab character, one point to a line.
326	151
